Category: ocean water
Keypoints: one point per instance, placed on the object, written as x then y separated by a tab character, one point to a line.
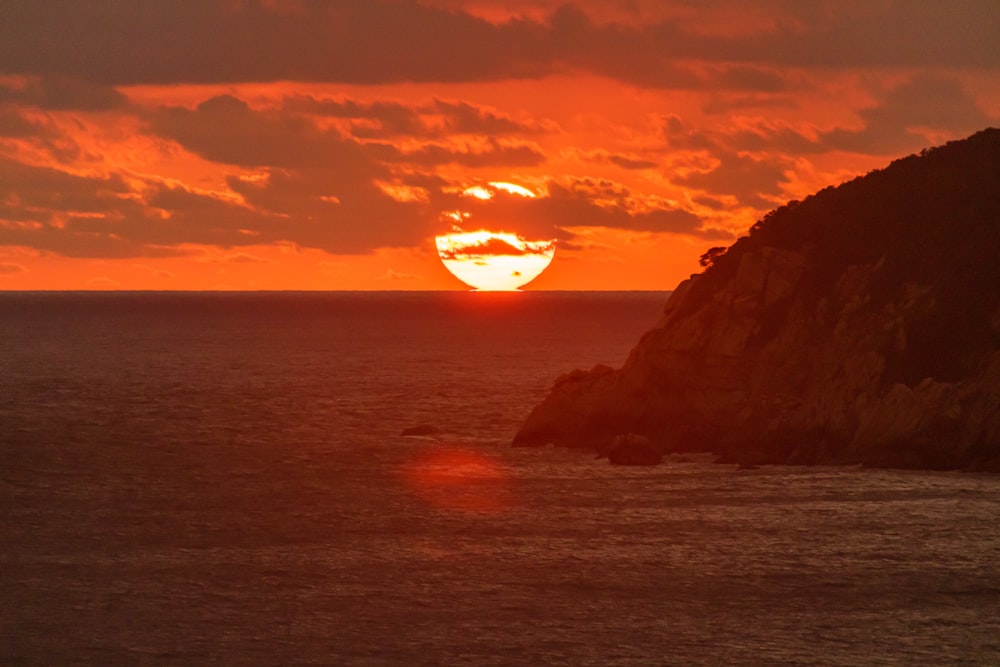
220	479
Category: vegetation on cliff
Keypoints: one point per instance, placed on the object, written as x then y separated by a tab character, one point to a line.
859	325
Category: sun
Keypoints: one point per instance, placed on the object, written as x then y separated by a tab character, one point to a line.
487	260
494	261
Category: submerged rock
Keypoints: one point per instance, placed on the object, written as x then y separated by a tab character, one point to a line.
861	325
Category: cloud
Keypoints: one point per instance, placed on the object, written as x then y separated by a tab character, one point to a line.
7	269
926	101
582	202
371	119
26	189
628	161
439	118
596	203
492	247
331	209
89	216
762	135
482	153
751	180
91	168
724	102
461	117
225	129
14	124
49	209
59	92
204	41
740	135
901	34
287	207
378	41
314	185
297	206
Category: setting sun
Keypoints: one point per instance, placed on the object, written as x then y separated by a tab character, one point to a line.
494	261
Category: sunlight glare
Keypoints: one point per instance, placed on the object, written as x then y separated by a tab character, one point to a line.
513	188
487	192
494	261
479	192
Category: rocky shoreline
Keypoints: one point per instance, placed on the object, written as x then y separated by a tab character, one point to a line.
861	325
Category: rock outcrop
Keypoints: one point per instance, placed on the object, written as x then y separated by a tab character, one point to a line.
861	325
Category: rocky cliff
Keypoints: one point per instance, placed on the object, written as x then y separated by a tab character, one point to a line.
861	325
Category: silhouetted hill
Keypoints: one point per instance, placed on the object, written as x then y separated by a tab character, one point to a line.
859	325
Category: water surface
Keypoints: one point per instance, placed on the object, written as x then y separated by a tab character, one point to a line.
220	479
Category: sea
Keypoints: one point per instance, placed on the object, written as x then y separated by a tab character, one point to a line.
222	479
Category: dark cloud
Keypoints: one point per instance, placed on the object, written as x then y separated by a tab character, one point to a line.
226	129
960	33
375	119
753	158
325	169
748	77
44	134
491	248
772	138
138	229
14	125
751	180
57	93
751	165
711	202
575	206
205	41
625	161
898	123
382	119
892	126
492	152
110	234
661	55
307	208
28	192
582	203
464	118
122	42
719	103
79	216
314	186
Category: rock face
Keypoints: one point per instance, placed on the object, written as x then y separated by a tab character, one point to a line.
861	325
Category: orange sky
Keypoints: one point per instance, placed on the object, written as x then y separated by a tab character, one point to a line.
298	144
